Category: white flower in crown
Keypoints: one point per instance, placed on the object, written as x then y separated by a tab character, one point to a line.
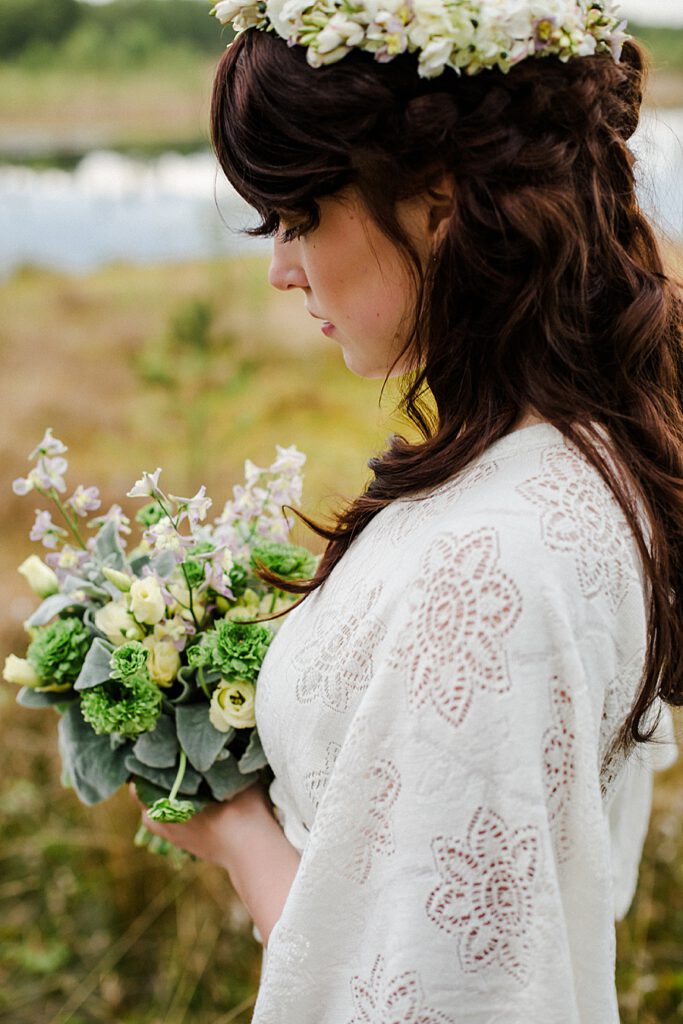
465	35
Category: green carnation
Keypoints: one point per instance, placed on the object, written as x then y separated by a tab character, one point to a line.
171	811
128	660
128	707
58	651
197	655
150	514
238	649
285	560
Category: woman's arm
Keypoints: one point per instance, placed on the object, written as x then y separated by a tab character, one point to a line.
243	837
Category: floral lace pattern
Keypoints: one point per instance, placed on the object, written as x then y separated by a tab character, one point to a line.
462	605
485	896
439	717
619	694
410	515
559	741
380	999
359	827
287	973
317	780
338	661
580	516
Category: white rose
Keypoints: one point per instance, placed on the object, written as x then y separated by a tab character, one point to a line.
20	671
163	661
117	624
146	600
40	577
232	706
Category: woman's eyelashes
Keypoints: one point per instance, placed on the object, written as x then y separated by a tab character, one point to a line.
287	231
289	234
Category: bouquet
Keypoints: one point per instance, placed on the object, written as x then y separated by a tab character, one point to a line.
149	650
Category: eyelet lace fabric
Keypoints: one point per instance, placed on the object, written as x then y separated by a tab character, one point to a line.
440	718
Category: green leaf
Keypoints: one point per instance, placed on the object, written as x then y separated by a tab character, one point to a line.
108	547
225	779
186	679
30	698
164	777
164	564
200	740
52	606
93	768
253	757
159	748
97	665
139	563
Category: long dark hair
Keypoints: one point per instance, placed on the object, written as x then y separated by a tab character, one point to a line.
549	289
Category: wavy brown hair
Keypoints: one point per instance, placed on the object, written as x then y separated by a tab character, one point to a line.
549	289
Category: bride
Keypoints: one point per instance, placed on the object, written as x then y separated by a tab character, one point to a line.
464	712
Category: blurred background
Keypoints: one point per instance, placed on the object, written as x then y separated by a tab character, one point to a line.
138	323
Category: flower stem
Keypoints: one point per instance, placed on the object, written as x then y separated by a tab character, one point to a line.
179	777
189	591
202	682
52	493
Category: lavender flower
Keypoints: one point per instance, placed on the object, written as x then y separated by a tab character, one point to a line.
48	446
194	508
84	500
48	473
115	515
45	530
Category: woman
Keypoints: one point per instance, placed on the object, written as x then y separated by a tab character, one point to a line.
463	713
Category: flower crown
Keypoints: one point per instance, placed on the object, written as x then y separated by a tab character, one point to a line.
465	35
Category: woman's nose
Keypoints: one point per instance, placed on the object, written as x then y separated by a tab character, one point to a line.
285	269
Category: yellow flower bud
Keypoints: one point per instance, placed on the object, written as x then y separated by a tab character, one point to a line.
120	580
40	577
20	671
163	661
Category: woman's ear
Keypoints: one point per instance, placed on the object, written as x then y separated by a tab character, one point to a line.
441	201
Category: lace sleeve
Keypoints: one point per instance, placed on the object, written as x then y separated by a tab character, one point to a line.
458	866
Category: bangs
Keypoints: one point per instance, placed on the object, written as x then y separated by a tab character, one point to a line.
263	135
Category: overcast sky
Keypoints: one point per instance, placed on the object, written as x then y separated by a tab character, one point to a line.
660	12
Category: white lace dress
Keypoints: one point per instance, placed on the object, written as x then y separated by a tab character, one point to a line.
438	717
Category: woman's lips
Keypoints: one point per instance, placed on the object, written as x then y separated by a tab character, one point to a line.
327	325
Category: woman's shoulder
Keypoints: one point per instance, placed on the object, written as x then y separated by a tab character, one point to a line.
533	506
532	477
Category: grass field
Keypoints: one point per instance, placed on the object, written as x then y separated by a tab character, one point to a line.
93	930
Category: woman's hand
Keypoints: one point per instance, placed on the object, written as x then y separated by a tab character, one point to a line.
241	836
213	833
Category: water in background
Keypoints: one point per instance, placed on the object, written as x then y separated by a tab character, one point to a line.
175	207
114	208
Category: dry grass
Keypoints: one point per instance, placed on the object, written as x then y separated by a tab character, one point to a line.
91	929
57	108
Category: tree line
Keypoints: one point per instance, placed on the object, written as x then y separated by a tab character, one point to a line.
122	32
